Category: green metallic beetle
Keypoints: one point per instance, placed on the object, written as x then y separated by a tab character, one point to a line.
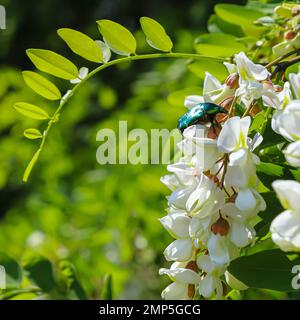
202	112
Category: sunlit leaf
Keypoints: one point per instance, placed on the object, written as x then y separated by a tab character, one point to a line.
177	98
81	44
218	25
120	39
156	35
31	111
41	85
53	63
31	165
32	133
218	45
217	69
241	16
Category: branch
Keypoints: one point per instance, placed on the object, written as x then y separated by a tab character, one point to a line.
65	99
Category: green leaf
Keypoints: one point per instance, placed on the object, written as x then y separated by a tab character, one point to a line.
53	63
273	206
13	272
241	16
268	172
81	44
107	292
31	111
218	45
218	25
74	288
120	39
40	271
177	98
18	294
32	133
41	85
271	138
217	69
31	165
156	35
270	269
258	122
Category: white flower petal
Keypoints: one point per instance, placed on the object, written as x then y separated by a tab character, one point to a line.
192	101
208	286
292	154
177	225
285	230
295	82
240	235
179	250
205	264
218	249
182	275
288	192
210	83
245	200
234	283
175	291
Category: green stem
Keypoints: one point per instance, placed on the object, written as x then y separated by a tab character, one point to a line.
100	68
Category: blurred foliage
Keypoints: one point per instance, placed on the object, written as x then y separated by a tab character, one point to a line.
87	219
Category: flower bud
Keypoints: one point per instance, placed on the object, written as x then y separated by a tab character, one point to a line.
221	227
226	103
289	35
232	81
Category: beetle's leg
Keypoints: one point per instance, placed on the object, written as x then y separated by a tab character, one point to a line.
212	119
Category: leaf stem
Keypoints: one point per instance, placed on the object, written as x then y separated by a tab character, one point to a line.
102	67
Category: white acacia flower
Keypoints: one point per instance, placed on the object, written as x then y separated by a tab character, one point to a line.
241	233
295	82
248	70
205	199
220	249
285	228
292	154
234	134
241	171
204	151
213	91
210	284
82	73
288	121
178	226
182	277
282	100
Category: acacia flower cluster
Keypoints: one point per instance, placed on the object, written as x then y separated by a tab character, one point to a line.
214	202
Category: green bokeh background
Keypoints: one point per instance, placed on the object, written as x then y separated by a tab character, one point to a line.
104	219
